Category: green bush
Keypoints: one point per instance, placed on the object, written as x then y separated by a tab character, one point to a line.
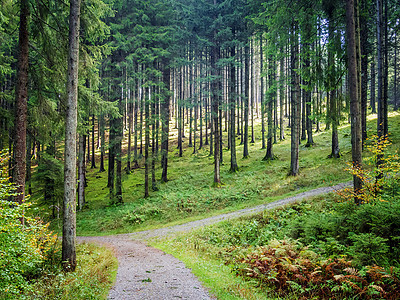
24	248
369	249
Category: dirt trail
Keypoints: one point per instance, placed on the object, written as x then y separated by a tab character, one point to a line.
148	273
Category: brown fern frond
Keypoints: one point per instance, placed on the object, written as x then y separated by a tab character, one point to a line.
377	288
352	271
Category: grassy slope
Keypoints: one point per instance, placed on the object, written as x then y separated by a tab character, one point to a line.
189	193
206	259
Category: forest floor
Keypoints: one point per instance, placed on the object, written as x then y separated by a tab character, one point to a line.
148	273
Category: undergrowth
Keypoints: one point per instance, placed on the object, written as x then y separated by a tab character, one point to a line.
94	275
325	248
30	256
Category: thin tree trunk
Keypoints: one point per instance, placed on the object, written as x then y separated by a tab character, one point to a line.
331	91
165	115
111	158
246	103
385	69
153	140
103	141
130	121
232	108
81	172
93	162
215	108
372	91
118	152
262	94
270	100
146	147
281	98
364	67
296	106
379	27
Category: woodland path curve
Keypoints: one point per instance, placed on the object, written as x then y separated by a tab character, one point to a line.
148	273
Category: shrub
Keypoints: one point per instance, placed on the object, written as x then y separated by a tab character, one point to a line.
288	268
24	248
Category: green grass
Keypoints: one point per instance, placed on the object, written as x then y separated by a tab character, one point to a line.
94	276
213	273
190	194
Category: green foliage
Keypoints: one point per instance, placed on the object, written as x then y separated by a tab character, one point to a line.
381	180
369	248
30	256
92	278
24	248
289	268
326	248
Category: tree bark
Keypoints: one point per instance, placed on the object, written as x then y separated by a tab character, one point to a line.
215	102
232	109
379	27
165	115
21	93
146	146
69	219
93	165
355	115
296	105
81	171
102	142
246	102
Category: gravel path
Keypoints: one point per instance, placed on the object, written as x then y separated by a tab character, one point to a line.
148	273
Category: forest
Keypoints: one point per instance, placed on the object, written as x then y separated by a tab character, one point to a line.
264	135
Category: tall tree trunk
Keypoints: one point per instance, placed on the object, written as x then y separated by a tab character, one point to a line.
111	158
372	91
130	121
69	219
180	113
81	171
153	140
296	105
142	103
395	102
333	114
281	98
215	103
364	67
93	165
21	93
385	69
146	147
232	109
119	134
103	141
29	163
355	115
135	126
165	115
303	103
253	93
88	140
262	94
379	27
246	102
270	100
